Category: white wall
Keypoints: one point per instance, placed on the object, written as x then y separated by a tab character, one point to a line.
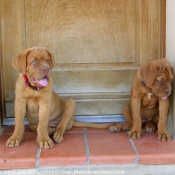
170	54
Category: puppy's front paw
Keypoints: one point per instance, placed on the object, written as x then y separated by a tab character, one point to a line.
164	136
13	141
115	128
58	138
45	142
134	134
150	128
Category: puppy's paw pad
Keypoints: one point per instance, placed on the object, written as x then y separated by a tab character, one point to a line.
57	138
150	128
13	142
115	128
134	135
45	143
164	137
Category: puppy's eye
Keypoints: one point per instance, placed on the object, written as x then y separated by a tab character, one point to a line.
159	82
49	61
34	62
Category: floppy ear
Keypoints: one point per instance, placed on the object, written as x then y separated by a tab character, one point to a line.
148	73
168	66
52	58
20	62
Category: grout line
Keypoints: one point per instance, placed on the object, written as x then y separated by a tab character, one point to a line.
87	147
135	150
38	157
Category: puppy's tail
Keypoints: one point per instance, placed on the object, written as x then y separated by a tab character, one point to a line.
92	125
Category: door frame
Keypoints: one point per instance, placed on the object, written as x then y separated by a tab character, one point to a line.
170	54
2	109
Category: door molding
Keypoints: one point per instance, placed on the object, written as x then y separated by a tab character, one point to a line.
170	54
2	114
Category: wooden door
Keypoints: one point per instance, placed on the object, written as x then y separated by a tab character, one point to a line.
97	44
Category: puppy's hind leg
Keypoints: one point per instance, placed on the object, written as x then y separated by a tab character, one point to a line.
66	121
124	126
152	125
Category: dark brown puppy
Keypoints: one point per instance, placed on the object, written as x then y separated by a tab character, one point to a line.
149	101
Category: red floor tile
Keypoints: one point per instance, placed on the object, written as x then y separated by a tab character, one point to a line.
97	130
68	153
110	148
20	157
105	148
152	151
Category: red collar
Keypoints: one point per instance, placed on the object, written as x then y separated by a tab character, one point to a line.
36	88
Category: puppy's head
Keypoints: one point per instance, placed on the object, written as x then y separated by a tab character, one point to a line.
158	75
36	63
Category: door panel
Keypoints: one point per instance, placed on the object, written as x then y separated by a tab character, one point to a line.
93	81
90	31
97	44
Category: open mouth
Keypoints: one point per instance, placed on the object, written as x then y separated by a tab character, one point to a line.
43	81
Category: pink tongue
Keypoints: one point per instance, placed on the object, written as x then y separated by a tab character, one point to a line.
164	98
43	82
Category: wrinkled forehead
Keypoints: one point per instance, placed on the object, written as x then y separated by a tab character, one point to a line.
165	72
38	54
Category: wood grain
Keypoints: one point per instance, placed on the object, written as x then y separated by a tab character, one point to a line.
98	45
151	30
11	40
88	31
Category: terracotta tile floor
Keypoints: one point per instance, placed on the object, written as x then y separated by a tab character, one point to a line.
84	147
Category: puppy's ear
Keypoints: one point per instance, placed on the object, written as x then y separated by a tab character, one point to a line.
52	58
148	73
20	62
168	66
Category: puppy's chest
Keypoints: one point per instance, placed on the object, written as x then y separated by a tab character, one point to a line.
149	100
32	105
